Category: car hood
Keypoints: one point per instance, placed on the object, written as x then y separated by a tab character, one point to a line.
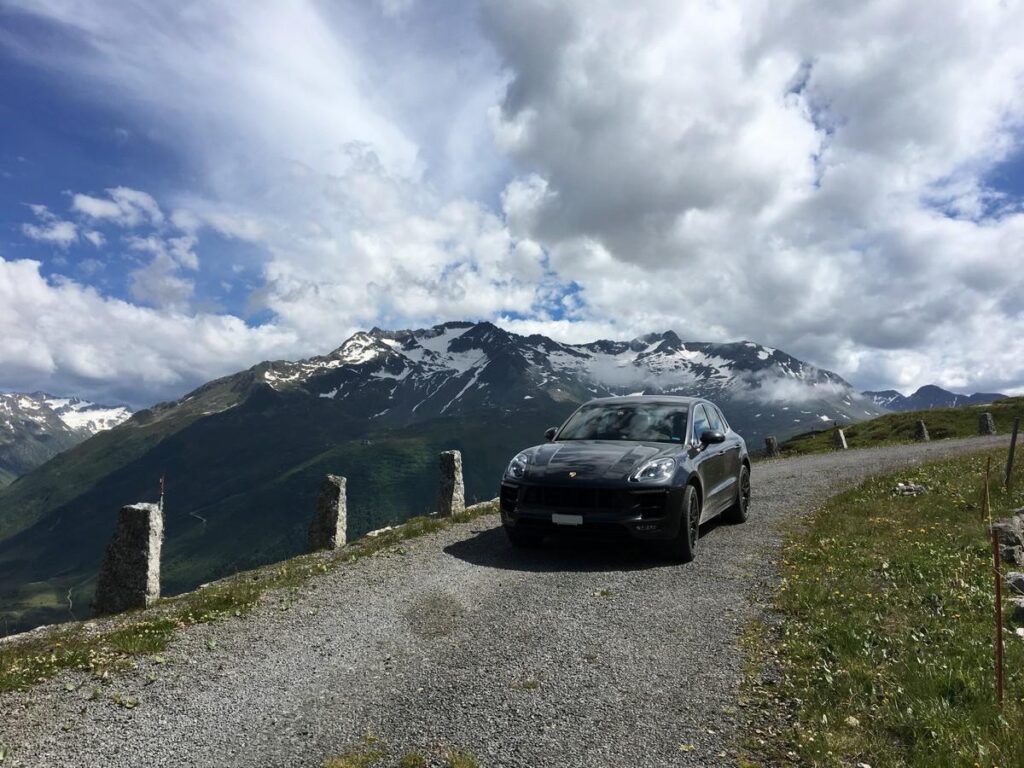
603	460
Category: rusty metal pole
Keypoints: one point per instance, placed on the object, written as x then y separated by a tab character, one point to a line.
1009	457
999	617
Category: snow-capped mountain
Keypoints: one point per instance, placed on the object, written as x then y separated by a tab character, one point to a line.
399	377
928	396
35	427
83	415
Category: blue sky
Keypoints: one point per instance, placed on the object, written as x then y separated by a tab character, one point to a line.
187	189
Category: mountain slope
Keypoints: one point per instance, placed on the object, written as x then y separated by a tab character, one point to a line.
927	397
36	427
244	454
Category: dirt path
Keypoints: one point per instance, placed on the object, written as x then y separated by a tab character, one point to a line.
569	656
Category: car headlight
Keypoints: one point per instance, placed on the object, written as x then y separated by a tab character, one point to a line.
654	470
517	467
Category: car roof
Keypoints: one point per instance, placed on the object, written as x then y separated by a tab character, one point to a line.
673	399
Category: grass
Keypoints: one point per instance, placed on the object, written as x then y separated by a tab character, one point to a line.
372	751
27	662
369	752
883	650
894	428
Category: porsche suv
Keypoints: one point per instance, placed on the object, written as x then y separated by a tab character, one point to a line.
649	467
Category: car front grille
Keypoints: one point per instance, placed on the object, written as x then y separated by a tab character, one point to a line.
584	499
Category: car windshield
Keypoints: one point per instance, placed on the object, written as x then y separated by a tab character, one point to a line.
642	422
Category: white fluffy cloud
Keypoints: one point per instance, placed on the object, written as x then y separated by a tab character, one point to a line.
122	205
50	228
812	176
69	335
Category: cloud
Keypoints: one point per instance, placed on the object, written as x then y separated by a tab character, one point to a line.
812	176
124	206
76	340
808	175
94	237
50	228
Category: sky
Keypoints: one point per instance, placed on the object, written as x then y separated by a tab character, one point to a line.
188	188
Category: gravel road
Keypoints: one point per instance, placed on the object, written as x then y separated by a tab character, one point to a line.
571	655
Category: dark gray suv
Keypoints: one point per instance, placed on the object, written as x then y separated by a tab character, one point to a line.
650	467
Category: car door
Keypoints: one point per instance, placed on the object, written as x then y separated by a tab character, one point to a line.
709	463
730	454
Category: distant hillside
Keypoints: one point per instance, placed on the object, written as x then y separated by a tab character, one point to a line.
244	454
36	427
899	427
928	397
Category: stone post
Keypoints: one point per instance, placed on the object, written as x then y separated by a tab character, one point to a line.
986	424
839	440
329	527
771	447
451	494
130	575
921	432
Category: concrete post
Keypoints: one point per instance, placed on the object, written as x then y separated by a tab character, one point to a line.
451	494
329	527
771	447
130	575
921	432
986	424
839	440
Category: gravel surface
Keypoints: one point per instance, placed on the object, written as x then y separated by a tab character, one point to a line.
573	655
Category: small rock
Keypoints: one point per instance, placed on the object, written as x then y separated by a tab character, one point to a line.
1015	581
853	722
1010	532
908	489
1017	610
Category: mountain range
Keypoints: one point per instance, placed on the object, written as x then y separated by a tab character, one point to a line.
927	397
244	454
35	427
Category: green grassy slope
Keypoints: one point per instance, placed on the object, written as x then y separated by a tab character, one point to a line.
899	427
883	652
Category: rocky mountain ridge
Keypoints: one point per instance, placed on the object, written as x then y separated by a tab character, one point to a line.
398	377
929	396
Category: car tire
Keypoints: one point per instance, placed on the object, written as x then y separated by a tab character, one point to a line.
521	539
683	548
737	513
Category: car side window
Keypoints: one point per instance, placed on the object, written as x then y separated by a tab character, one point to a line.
714	419
721	417
700	422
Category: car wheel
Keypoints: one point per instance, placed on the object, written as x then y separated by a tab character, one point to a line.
523	539
684	546
737	513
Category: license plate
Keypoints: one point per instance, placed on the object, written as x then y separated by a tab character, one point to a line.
558	519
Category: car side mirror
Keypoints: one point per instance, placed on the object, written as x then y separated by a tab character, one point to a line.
549	433
709	436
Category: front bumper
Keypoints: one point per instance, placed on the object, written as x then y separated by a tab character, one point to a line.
642	513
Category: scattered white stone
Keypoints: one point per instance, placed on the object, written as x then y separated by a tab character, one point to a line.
908	489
